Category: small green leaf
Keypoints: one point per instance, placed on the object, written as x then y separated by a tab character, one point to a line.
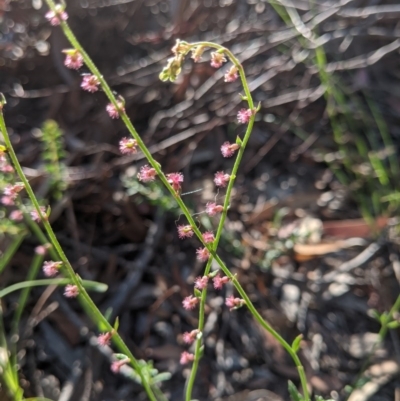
197	293
213	274
296	343
161	377
393	324
239	141
116	323
294	394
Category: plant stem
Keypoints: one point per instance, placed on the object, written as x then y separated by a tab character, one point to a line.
95	313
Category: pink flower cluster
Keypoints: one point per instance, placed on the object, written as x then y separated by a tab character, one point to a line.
35	215
55	17
10	193
73	59
71	291
90	83
51	268
128	146
147	174
175	180
113	111
4	166
234	303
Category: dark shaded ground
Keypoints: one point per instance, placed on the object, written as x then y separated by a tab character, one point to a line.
322	286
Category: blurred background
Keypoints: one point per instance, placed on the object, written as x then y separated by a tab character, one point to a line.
312	230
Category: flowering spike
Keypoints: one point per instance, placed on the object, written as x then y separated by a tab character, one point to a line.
221	179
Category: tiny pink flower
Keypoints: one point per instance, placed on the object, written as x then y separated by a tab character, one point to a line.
71	291
212	208
175	180
56	18
7	168
90	83
186	357
35	215
7	201
231	75
234	303
219	281
147	174
113	111
189	337
42	249
73	60
127	146
104	339
13	190
217	59
117	365
203	254
190	302
197	53
208	237
229	149
244	115
16	215
221	179
50	268
185	231
201	282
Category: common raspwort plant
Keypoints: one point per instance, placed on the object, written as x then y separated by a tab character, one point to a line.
59	270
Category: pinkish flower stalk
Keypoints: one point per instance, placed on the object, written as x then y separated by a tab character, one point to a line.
175	180
212	208
229	149
234	303
51	268
217	59
189	337
73	59
35	215
208	237
185	231
128	146
203	254
231	75
90	83
186	357
244	116
71	291
104	339
201	282
113	111
221	179
147	174
219	281
117	365
190	302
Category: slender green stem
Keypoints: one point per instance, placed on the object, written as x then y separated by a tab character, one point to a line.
107	90
95	313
